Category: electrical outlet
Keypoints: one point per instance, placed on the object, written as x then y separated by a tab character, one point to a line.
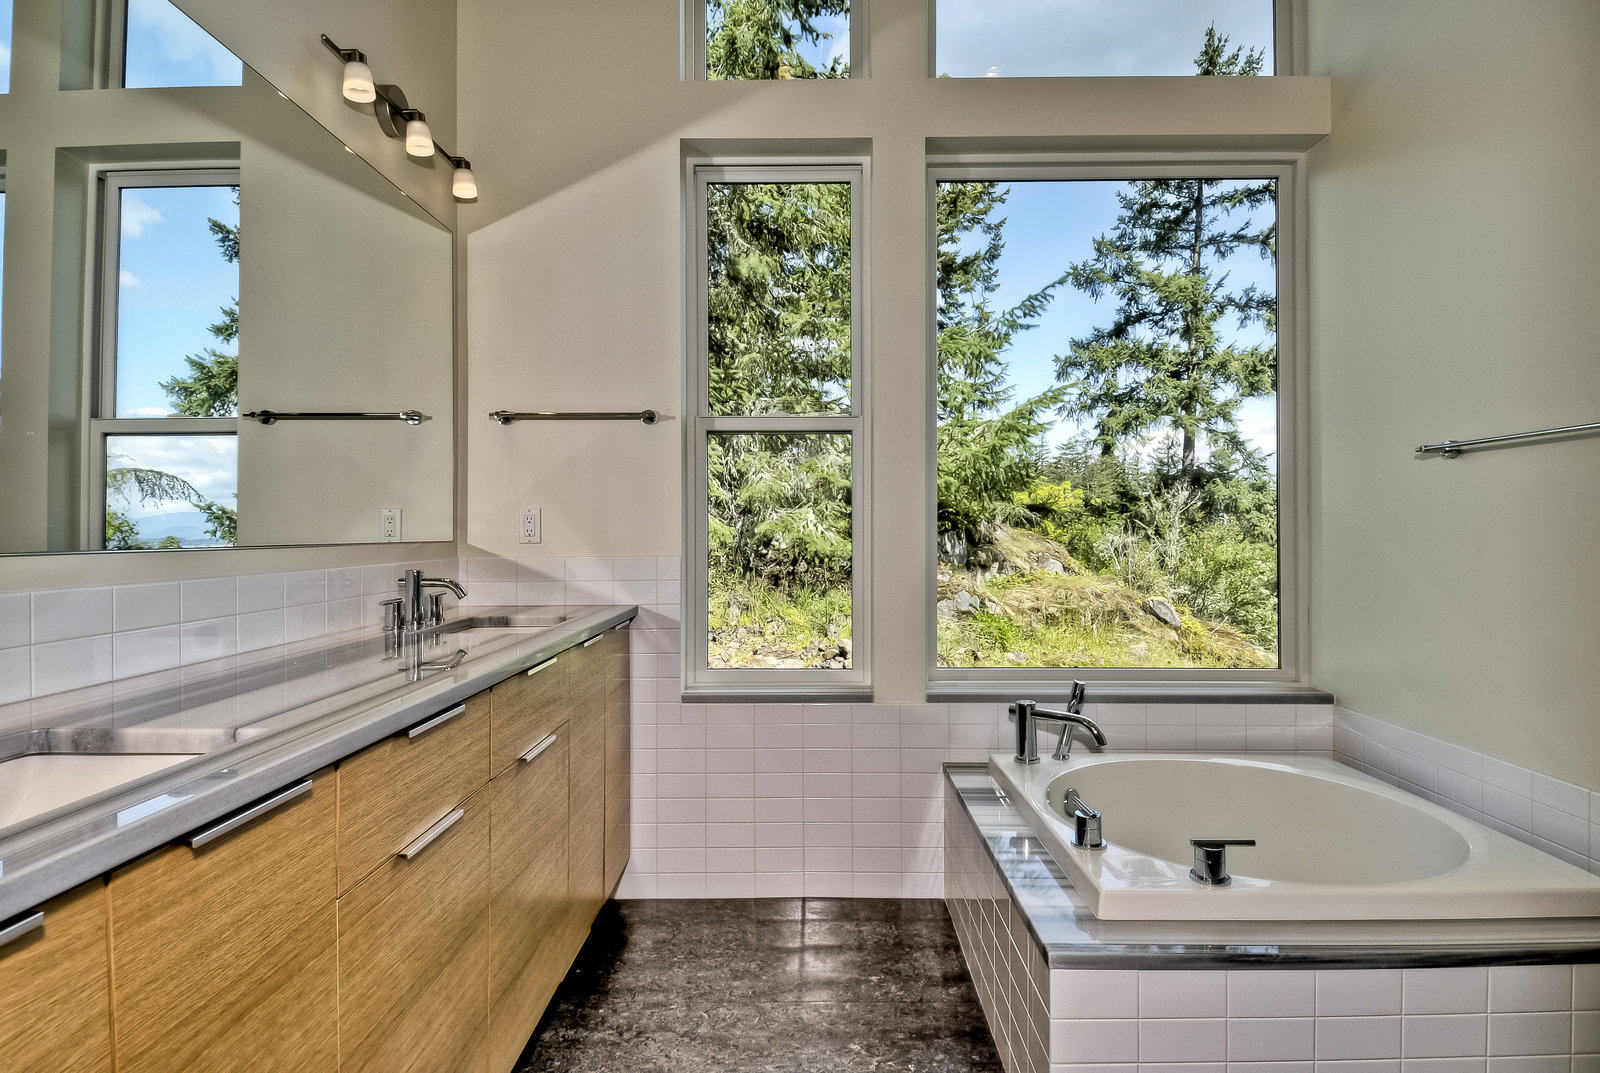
532	529
388	523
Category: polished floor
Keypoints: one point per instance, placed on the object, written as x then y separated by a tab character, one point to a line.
810	985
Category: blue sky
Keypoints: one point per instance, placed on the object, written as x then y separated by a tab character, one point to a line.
1051	225
5	46
166	48
1005	38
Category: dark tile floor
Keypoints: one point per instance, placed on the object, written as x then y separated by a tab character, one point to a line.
812	985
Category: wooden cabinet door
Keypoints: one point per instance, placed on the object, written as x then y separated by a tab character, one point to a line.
224	955
586	880
55	989
532	938
619	758
525	708
391	792
413	955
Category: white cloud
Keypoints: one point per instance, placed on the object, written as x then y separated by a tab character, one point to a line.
137	215
148	411
127	279
181	41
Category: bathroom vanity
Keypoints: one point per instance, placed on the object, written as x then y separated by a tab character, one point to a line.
395	873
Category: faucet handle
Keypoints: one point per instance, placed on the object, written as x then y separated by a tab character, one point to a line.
394	616
1210	860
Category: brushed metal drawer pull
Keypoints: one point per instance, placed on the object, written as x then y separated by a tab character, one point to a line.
437	721
591	641
427	837
551	662
540	746
27	925
210	834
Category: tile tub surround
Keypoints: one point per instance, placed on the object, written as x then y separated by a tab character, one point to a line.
56	640
789	799
1063	992
766	986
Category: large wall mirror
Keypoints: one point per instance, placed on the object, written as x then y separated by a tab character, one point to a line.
184	246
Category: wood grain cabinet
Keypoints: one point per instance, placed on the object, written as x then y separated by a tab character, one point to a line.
55	986
411	910
533	933
224	944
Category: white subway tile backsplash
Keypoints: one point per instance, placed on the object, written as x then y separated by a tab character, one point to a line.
1272	993
1357	1037
1444	991
72	664
1270	1039
1529	1033
1530	988
213	597
60	614
16	674
1358	992
138	652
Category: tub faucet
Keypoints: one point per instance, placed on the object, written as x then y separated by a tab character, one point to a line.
1028	711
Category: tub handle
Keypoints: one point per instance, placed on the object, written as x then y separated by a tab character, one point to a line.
1210	860
1085	821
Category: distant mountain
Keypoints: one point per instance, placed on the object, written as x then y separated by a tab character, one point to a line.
188	526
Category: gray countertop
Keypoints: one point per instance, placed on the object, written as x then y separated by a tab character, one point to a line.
290	710
1074	938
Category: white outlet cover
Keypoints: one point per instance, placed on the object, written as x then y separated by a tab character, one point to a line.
531	530
389	523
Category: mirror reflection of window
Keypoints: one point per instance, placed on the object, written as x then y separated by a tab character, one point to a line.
168	369
171	491
177	302
164	47
5	46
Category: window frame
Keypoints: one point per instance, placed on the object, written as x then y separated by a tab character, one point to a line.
1288	51
1294	531
692	67
699	679
100	372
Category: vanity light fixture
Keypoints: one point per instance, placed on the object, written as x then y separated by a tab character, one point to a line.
398	119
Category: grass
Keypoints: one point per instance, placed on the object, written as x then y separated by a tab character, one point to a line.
754	624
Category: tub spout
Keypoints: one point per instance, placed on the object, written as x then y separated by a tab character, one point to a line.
1028	712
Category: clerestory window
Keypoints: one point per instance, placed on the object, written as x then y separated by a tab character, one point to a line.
773	40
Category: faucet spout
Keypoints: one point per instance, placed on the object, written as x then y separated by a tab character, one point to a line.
1028	712
411	586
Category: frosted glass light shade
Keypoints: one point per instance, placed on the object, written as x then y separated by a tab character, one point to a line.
358	85
419	139
463	185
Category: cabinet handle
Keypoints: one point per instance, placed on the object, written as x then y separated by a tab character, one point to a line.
593	640
210	834
427	837
551	662
17	929
539	746
437	721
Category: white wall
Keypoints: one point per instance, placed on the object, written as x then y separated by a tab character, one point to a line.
1455	269
576	253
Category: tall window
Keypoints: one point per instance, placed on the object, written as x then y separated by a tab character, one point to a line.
772	39
160	46
778	448
164	433
1109	438
986	39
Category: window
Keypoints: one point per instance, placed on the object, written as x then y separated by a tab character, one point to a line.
5	46
164	429
1111	440
984	39
778	448
772	39
155	45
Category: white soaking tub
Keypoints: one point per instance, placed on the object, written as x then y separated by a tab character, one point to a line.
1331	843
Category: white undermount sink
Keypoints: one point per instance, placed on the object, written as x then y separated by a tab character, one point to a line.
35	784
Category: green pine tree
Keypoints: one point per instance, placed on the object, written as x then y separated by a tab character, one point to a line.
212	387
1164	359
754	38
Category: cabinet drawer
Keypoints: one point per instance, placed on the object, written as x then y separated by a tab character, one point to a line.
224	955
391	792
619	783
526	708
586	832
413	956
532	942
55	984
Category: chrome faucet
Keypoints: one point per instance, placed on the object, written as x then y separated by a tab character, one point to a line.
1028	711
1211	862
1086	822
411	613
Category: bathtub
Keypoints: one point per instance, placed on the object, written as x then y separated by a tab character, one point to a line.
1331	843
